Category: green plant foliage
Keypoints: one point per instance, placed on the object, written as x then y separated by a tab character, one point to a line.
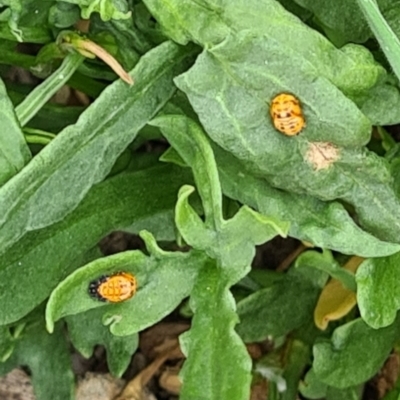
313	388
378	290
212	326
78	163
219	239
86	330
154	274
107	206
14	152
108	9
354	346
325	224
66	160
45	355
16	22
286	304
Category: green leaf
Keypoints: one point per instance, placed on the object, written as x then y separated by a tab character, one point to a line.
83	154
48	359
14	152
125	202
297	359
86	331
341	20
7	343
16	22
9	55
327	263
354	353
63	15
378	290
288	40
240	100
389	42
164	280
232	241
218	365
285	305
290	163
108	9
191	143
313	388
381	104
326	225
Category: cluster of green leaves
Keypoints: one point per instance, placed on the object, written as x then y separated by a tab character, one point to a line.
205	73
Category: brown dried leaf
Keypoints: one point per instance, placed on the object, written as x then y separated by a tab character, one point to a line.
153	339
98	386
169	380
136	388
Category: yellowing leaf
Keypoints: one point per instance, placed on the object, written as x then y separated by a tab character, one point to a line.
336	300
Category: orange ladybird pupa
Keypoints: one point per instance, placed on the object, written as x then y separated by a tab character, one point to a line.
114	288
287	115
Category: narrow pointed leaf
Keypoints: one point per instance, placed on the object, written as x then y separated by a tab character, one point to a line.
14	152
58	178
218	365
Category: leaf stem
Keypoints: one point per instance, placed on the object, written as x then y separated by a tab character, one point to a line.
42	93
387	39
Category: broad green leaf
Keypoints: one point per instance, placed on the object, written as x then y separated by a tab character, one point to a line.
378	293
354	353
58	178
285	305
63	15
315	162
212	22
218	365
108	9
341	20
14	152
381	104
326	225
259	68
313	388
164	280
86	330
128	202
48	359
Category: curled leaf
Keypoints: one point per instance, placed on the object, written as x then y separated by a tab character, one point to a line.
336	300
